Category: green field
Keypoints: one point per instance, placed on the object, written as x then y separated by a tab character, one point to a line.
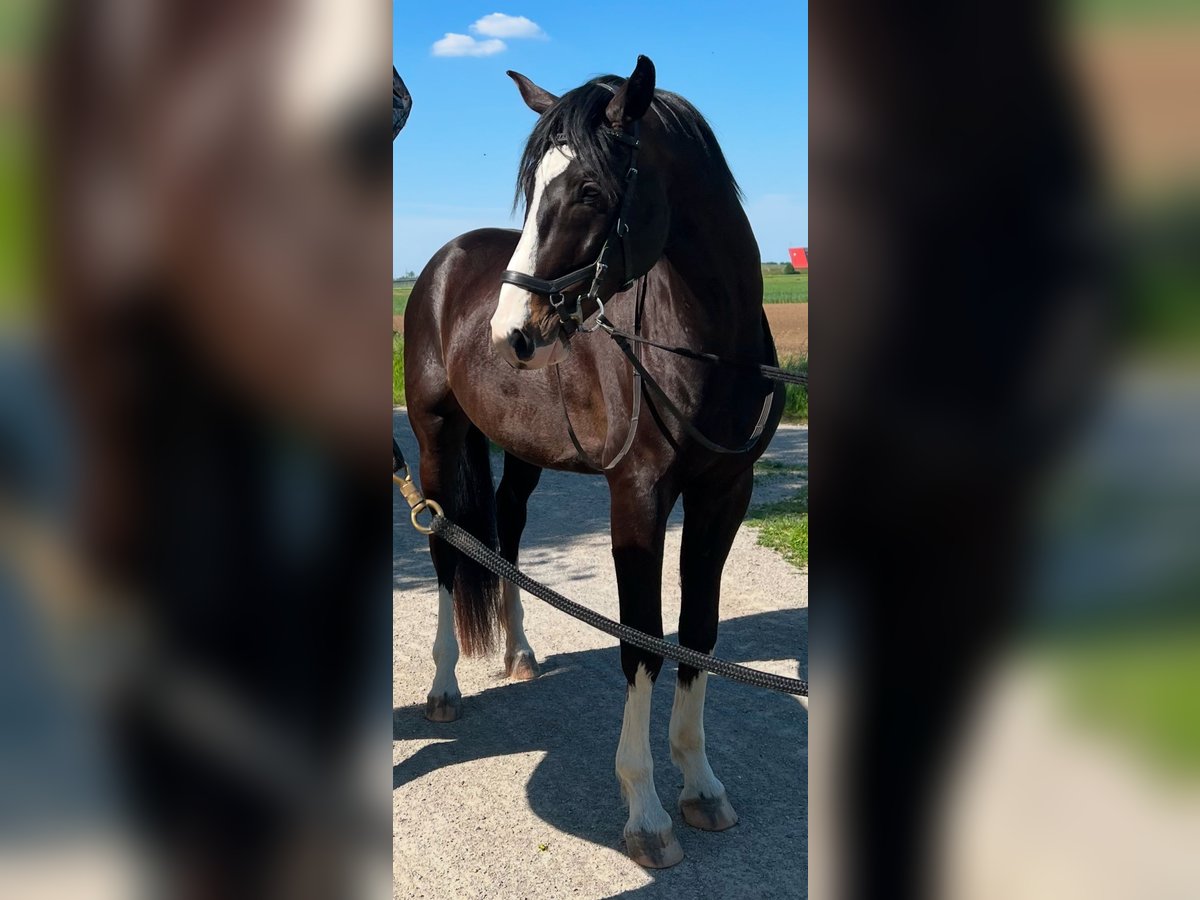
785	288
777	288
400	294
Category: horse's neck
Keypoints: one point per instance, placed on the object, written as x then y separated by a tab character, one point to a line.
712	249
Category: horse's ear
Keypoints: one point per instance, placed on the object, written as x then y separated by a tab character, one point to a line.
634	96
535	98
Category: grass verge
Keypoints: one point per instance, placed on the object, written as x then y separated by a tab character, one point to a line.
1138	683
783	526
795	406
400	298
397	369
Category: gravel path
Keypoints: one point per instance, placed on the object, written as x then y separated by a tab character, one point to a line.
519	798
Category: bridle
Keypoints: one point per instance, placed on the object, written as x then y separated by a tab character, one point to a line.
572	319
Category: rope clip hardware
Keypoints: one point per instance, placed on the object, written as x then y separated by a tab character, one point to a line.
417	503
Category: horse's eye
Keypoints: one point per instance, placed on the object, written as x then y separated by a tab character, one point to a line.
589	193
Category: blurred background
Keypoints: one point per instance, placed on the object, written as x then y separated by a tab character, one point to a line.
193	600
1083	762
194	506
1008	620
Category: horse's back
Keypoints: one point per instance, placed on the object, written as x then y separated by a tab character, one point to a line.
462	265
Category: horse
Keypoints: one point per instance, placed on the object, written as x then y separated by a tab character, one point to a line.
632	177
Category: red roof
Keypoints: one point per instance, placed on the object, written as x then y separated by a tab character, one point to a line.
799	256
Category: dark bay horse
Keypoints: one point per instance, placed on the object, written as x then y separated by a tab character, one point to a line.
486	360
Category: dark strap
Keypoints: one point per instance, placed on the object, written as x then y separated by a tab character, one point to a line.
636	403
542	286
775	373
660	395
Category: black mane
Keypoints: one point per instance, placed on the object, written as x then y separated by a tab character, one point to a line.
577	119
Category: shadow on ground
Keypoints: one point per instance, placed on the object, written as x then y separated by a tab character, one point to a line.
565	504
757	745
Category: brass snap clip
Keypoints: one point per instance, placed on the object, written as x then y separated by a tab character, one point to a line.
418	504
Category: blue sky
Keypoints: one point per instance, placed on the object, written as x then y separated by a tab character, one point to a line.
744	65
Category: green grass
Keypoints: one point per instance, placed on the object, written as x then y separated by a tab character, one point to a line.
1139	683
768	467
400	294
795	406
779	288
783	526
20	212
397	369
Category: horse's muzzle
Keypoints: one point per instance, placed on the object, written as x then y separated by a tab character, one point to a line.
523	344
524	334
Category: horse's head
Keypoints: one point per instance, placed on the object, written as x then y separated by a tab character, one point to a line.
581	208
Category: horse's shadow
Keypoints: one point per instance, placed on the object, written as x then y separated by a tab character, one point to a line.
757	744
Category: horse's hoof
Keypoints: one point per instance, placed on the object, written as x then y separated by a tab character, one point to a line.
708	813
653	850
443	708
521	666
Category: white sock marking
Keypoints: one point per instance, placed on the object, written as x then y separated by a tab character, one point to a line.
687	740
635	766
445	647
514	622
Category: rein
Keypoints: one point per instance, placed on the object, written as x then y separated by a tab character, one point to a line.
636	403
661	396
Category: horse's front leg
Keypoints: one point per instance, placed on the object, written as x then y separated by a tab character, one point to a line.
512	498
710	522
639	518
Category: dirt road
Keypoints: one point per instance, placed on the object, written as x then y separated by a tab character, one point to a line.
519	799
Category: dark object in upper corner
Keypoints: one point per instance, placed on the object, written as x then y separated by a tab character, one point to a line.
401	103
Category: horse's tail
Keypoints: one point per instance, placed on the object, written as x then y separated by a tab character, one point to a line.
477	595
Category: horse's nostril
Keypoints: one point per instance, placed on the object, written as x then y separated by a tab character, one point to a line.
521	344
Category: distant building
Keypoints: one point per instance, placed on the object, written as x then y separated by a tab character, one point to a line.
799	257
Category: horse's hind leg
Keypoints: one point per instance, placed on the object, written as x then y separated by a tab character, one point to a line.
512	497
710	522
441	440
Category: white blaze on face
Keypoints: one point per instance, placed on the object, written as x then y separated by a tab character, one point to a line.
514	307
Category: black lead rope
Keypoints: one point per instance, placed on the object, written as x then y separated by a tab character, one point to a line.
469	545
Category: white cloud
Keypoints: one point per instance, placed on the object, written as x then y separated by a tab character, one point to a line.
465	45
498	25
